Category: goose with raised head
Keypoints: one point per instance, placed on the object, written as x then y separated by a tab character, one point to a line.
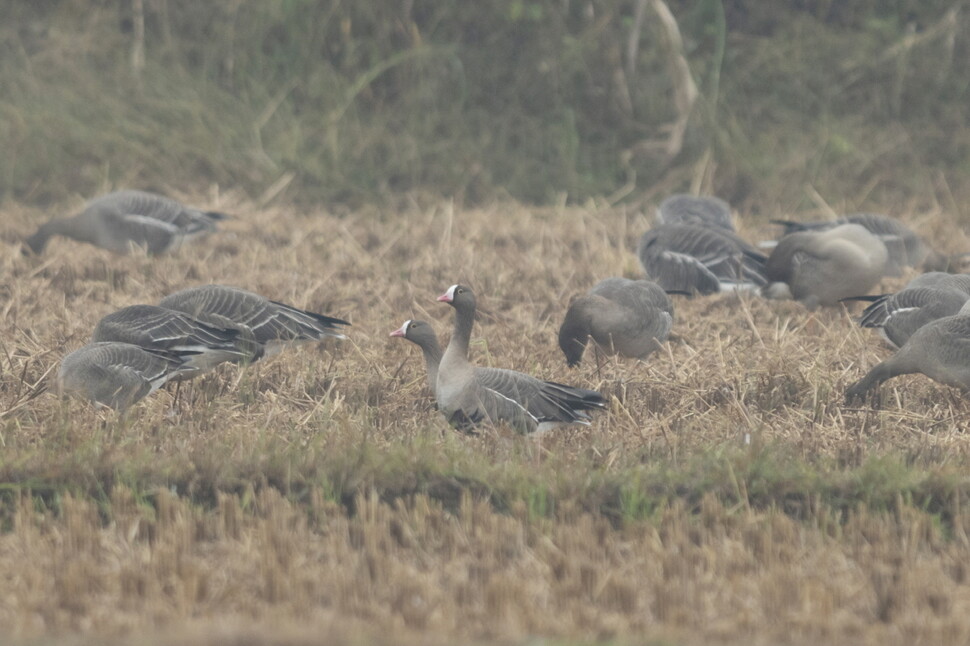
128	220
469	396
422	335
697	259
824	267
904	246
940	350
117	375
159	328
704	211
630	318
270	323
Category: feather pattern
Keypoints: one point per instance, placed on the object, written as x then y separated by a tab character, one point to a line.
118	374
158	328
691	258
270	323
697	210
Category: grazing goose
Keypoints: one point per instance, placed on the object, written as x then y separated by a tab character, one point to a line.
926	298
899	315
125	220
905	247
824	267
421	334
940	350
691	258
469	396
271	324
690	209
117	375
158	328
626	317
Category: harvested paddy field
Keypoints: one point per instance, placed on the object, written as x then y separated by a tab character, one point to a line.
727	495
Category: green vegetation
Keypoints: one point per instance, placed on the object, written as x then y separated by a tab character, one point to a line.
359	101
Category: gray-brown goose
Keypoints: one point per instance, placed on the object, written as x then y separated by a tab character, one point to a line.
905	247
940	350
626	317
926	298
271	324
699	210
469	396
824	267
159	328
698	259
128	220
119	374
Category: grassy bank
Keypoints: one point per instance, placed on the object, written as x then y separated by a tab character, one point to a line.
351	103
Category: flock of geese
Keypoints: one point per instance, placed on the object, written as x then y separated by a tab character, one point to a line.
693	249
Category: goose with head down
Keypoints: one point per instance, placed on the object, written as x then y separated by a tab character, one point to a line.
118	375
630	318
940	350
127	220
469	396
824	267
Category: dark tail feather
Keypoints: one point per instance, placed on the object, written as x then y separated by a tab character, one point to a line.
217	215
868	298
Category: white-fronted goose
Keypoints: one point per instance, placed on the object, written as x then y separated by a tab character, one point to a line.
270	323
626	317
126	220
525	403
159	328
692	209
824	267
422	335
697	259
905	247
940	350
118	374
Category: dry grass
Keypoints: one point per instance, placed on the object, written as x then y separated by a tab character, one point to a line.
318	493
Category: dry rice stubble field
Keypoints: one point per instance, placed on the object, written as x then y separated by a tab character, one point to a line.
291	499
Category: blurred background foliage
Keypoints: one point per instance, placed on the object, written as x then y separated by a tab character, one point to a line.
350	101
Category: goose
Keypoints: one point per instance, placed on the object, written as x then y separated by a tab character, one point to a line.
158	328
905	247
824	267
117	375
926	298
269	323
897	316
626	317
691	258
421	334
699	210
940	350
470	396
125	220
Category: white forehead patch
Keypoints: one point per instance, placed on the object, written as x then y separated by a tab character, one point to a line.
405	325
451	291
